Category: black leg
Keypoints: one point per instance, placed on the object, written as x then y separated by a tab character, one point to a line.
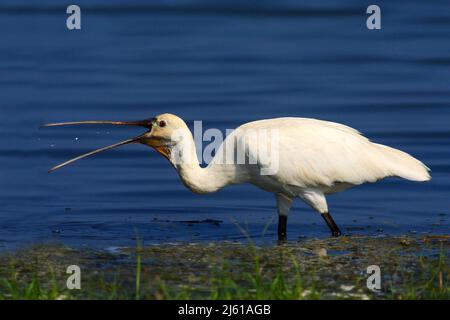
335	232
282	222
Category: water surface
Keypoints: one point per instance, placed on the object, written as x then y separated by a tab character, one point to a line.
225	63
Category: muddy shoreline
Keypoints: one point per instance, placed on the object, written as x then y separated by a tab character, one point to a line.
412	267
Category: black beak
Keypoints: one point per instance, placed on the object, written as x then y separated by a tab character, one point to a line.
147	123
142	123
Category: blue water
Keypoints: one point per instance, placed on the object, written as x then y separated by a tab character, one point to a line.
226	63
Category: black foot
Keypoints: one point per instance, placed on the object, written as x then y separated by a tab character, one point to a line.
282	222
335	232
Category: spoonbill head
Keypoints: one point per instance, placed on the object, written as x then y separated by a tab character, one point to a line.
313	158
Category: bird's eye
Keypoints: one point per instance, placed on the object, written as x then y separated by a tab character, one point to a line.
162	123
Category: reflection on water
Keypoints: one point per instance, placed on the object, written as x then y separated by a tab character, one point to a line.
225	64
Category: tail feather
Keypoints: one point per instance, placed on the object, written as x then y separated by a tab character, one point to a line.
403	165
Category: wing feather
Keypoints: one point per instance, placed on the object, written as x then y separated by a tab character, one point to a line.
320	153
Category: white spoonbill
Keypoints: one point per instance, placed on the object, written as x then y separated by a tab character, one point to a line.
315	158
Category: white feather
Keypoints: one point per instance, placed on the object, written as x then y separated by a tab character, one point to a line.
315	153
317	158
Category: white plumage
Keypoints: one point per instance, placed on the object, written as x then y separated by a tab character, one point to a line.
322	154
315	158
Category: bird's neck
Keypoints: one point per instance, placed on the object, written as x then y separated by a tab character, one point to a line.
199	180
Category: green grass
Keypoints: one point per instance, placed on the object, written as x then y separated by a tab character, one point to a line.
418	270
138	269
13	288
